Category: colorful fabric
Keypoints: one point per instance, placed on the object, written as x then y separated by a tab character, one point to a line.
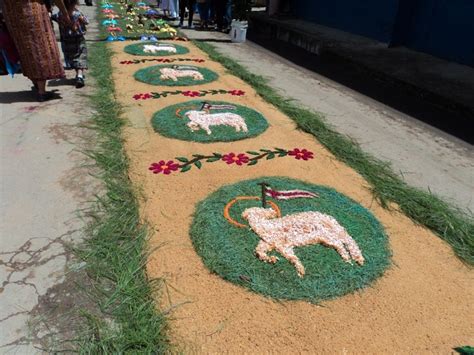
30	28
78	29
75	52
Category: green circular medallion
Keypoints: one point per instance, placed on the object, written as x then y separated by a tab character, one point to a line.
228	246
175	75
155	49
209	121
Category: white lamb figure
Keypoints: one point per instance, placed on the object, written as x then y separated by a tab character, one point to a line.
174	74
151	48
296	230
203	120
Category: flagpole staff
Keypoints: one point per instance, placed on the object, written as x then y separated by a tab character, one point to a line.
264	186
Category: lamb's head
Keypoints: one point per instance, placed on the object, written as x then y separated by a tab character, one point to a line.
259	213
193	113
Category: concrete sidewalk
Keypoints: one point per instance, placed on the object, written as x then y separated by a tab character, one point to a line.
44	183
425	156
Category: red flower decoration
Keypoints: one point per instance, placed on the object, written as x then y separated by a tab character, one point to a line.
164	167
237	92
239	159
191	93
301	154
114	29
199	60
142	96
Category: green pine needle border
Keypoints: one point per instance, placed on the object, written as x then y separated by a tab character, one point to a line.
115	246
151	75
167	124
137	49
450	223
229	251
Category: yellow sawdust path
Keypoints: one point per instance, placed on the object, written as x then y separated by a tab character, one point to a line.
421	304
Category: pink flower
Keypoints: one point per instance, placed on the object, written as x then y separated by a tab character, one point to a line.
301	154
239	159
142	96
164	167
191	93
237	92
114	29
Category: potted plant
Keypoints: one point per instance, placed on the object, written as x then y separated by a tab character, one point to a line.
240	15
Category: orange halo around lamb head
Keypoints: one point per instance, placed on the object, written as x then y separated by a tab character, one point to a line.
232	221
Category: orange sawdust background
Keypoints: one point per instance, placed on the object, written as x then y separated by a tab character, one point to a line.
423	303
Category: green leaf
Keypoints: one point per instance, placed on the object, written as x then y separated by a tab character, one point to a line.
198	164
252	162
217	155
270	156
465	350
212	160
265	150
186	168
182	159
252	152
198	156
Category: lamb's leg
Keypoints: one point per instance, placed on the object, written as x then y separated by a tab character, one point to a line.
208	130
353	249
289	254
340	248
262	249
244	128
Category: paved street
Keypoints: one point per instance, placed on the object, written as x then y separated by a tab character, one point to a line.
44	184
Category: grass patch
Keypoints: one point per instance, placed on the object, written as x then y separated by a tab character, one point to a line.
114	251
151	75
450	223
171	122
230	251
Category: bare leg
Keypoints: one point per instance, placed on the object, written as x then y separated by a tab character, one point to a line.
41	85
261	251
290	255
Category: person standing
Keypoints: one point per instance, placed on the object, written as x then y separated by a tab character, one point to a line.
203	8
170	8
182	10
73	42
223	14
30	27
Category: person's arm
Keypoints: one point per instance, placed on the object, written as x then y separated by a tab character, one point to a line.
62	8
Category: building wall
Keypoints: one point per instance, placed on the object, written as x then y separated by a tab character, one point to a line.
443	28
370	18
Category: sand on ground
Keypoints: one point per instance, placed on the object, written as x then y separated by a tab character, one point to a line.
423	303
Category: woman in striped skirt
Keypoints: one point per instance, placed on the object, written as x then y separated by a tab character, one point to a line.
30	27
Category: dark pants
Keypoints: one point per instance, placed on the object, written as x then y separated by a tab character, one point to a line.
203	12
222	20
182	9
